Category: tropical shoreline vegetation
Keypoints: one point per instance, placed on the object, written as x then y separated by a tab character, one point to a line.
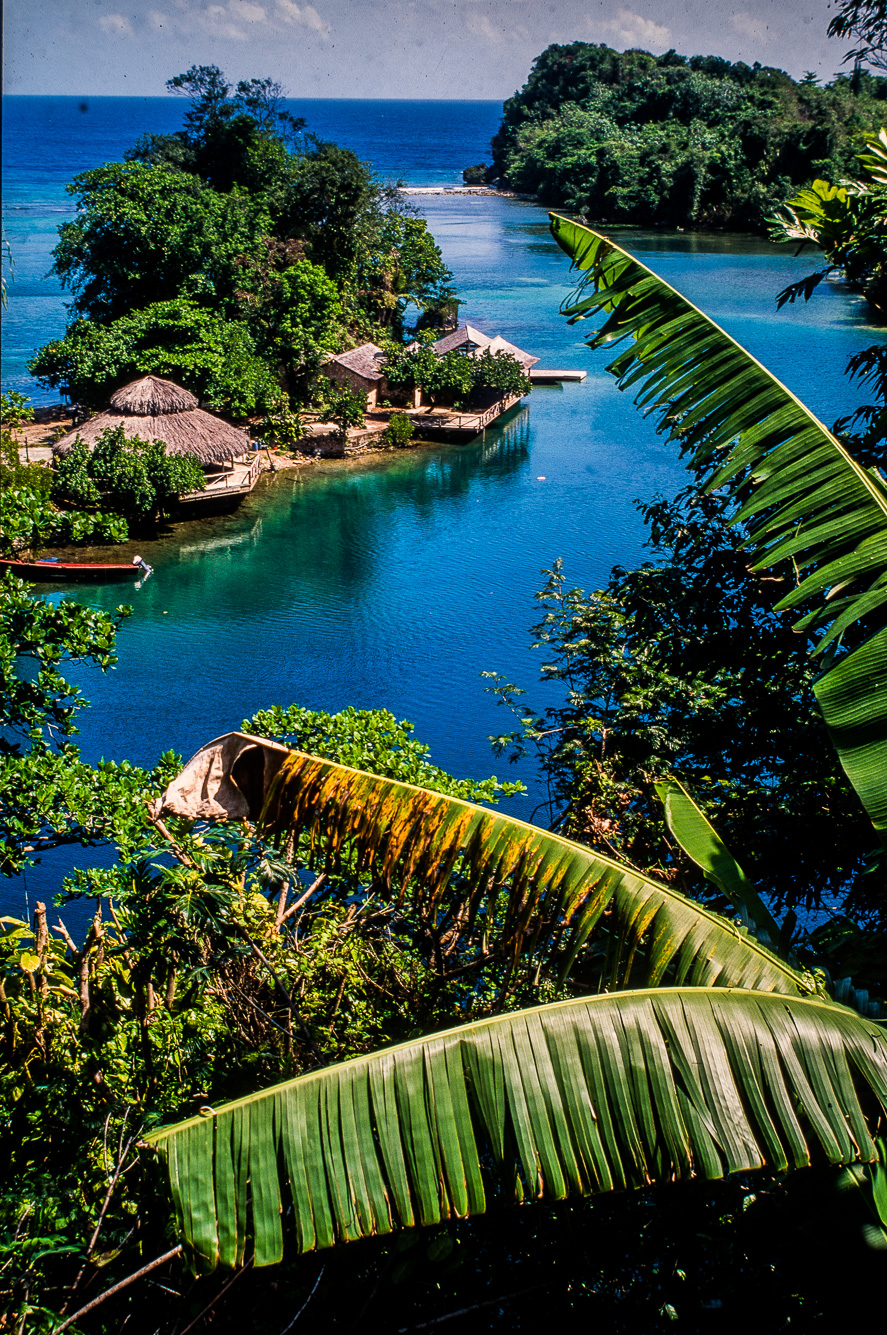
468	1013
233	255
676	141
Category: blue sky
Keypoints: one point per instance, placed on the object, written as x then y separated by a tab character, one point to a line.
382	48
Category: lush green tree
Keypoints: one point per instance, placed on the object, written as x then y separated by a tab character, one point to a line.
237	233
146	234
295	310
227	140
633	137
681	666
215	358
405	267
400	431
345	407
454	378
29	521
126	474
48	796
502	372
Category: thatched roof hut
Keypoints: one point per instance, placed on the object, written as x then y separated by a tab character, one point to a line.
157	409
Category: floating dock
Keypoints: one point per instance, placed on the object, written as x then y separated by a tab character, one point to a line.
538	376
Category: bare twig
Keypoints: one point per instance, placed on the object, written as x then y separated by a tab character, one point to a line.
117	1288
463	1311
303	899
304	1304
224	1289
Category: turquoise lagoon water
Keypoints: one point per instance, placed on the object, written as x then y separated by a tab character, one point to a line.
395	583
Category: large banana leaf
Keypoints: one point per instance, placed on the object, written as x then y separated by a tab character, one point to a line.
573	1098
480	883
803	499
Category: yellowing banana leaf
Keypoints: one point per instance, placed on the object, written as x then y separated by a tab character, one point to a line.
477	880
803	499
574	1098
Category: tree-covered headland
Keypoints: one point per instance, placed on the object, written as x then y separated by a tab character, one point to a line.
677	141
233	255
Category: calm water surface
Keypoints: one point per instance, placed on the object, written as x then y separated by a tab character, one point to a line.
396	583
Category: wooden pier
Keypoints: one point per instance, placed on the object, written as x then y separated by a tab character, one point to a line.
448	423
539	376
224	491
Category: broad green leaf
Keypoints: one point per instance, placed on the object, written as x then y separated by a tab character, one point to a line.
701	842
592	1096
802	497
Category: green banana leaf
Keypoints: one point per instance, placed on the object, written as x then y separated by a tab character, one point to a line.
568	1099
701	842
803	499
479	881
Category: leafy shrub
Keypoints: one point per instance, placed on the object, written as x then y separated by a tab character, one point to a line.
400	431
345	407
501	371
455	377
132	476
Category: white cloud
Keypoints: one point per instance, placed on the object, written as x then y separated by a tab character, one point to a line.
306	16
237	20
633	29
482	26
748	26
118	24
249	13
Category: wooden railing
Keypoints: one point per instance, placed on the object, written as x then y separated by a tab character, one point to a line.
236	479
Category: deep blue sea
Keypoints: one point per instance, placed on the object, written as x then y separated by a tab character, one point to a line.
396	583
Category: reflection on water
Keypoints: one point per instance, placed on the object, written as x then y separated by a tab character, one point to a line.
395	582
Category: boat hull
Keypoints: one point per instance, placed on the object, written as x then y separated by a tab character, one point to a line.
39	572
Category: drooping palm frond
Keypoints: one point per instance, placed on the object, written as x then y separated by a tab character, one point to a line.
482	885
803	499
573	1098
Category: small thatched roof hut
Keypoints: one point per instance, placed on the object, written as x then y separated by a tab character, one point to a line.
157	409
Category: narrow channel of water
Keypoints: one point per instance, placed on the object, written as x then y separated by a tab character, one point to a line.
395	583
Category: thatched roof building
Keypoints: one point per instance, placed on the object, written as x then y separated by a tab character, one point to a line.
158	409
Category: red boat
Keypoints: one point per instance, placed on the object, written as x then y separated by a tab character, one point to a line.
51	569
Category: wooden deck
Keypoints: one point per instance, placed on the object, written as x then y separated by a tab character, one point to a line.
225	489
445	422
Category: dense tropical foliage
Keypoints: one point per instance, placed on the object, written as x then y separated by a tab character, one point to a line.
847	221
126	475
636	138
30	518
466	1010
454	378
233	255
